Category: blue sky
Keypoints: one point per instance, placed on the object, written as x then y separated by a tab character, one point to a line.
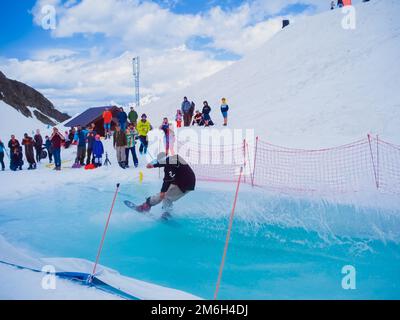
180	42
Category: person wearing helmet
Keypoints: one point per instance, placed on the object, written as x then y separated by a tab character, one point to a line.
179	180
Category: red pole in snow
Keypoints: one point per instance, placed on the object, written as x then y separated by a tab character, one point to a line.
104	234
228	236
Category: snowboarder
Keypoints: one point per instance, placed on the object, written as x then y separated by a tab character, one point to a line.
38	145
119	143
13	144
224	111
133	116
143	128
179	180
131	137
178	118
98	151
2	151
107	118
206	114
16	161
47	145
122	119
56	142
29	144
186	106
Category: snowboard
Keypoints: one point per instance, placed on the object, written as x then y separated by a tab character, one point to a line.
164	217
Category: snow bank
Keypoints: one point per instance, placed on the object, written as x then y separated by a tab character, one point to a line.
26	284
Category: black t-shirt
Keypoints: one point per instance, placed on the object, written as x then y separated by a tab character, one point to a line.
178	172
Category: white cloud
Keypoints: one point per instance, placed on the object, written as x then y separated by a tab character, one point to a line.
82	77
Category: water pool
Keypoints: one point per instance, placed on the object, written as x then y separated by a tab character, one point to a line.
280	248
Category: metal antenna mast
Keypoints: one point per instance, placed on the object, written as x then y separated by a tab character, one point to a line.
136	76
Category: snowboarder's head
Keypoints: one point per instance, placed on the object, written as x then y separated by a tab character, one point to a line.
37	131
97	137
161	157
12	137
144	117
185	99
223	100
25	135
205	103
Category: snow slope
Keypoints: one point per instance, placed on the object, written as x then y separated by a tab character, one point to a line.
314	83
14	122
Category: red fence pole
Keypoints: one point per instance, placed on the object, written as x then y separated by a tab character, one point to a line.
255	160
244	160
104	234
228	235
373	161
377	162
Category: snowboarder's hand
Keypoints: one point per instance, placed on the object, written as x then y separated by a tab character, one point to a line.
162	195
150	166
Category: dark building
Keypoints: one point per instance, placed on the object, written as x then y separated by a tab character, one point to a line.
94	115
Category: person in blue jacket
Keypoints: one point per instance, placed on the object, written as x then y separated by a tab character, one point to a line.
224	111
81	139
2	151
122	119
49	148
98	151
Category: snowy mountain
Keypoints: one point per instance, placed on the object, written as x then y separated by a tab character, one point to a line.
29	102
314	83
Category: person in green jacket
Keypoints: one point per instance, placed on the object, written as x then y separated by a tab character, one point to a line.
133	116
131	137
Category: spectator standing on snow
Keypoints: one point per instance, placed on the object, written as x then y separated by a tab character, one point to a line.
133	116
91	137
38	145
224	111
186	106
98	151
107	118
143	128
169	136
178	118
80	138
332	5
122	119
56	142
16	161
2	152
49	149
131	137
29	144
13	144
206	114
120	145
340	3
67	140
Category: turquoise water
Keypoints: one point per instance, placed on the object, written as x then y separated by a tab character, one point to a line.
280	248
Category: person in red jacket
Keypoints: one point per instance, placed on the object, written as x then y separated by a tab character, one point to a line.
56	141
107	117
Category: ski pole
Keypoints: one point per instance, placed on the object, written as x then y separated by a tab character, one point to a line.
104	235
